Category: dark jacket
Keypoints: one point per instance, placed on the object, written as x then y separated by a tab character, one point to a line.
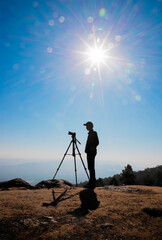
92	142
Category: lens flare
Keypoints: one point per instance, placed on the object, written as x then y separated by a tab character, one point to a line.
51	22
90	19
49	50
102	12
61	19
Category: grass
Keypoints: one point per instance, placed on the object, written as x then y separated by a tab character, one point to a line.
23	216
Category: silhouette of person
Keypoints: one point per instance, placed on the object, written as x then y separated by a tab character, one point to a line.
91	151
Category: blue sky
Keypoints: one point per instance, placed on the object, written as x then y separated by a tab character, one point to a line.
48	84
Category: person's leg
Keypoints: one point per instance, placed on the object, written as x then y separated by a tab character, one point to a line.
92	175
91	167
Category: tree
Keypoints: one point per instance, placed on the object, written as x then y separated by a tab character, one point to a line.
114	181
128	176
159	179
99	183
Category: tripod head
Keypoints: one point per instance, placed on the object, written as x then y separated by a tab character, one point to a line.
73	135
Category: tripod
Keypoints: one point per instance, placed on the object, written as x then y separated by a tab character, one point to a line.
74	147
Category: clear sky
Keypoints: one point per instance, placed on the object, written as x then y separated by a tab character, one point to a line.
67	62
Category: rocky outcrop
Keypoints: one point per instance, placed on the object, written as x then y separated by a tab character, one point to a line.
17	182
54	183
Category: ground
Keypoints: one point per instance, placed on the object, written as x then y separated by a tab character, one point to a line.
27	214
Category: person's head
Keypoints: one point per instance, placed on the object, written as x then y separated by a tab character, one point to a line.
89	125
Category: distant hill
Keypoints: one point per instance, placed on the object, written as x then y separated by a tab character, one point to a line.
147	177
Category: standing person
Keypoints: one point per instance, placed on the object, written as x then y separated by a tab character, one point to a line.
91	151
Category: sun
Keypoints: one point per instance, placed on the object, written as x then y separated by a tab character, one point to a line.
96	55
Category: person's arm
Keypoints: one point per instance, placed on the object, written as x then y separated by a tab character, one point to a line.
96	140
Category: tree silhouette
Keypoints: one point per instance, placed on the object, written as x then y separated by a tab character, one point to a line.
99	183
159	179
128	176
114	181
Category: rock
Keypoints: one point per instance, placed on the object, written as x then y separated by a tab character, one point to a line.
67	183
106	225
17	182
30	222
49	219
54	183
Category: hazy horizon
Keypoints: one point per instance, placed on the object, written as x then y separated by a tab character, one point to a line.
34	172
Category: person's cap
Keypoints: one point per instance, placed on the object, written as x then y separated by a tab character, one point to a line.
88	124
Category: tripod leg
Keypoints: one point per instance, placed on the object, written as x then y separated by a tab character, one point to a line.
62	160
75	170
82	160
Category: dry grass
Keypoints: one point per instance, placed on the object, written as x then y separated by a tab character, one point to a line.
22	215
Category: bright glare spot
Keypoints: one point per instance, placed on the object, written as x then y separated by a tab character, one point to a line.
138	98
118	38
96	55
90	19
102	12
51	22
87	71
49	50
61	19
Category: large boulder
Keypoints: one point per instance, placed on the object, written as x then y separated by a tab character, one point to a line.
17	182
60	183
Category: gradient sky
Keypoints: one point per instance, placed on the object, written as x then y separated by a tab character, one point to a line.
48	86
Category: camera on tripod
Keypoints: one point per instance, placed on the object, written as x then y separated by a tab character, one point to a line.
73	134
